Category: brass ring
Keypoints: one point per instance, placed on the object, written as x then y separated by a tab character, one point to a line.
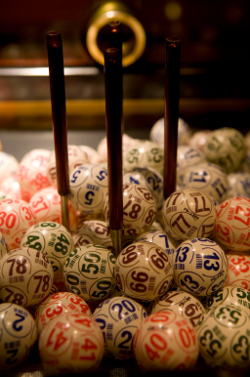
102	17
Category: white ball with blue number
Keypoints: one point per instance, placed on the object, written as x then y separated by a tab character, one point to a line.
18	333
119	318
88	185
200	266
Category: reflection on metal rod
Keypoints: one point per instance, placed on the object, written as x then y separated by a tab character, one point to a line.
44	71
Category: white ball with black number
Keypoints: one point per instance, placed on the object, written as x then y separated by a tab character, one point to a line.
88	185
189	213
18	335
88	272
26	277
119	318
200	266
52	239
143	271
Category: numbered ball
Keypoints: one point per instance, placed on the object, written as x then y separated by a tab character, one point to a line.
224	337
200	266
119	318
57	304
229	295
149	178
3	246
26	277
162	239
157	132
88	272
144	154
205	177
11	187
232	224
95	232
16	216
189	213
188	156
226	147
238	270
52	239
166	341
18	335
181	303
91	154
71	342
8	165
32	173
143	271
199	138
46	204
89	188
239	185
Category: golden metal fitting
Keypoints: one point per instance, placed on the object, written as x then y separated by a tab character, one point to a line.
131	49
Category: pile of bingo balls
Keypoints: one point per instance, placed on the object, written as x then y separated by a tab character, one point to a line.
179	289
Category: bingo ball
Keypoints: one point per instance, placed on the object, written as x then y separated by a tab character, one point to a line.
224	337
119	318
239	185
157	132
26	277
16	216
8	165
149	178
3	246
188	214
95	232
238	270
46	204
18	335
226	147
144	154
57	304
71	343
230	295
11	187
181	303
91	154
88	272
52	239
205	177
88	188
198	139
32	173
166	341
162	239
200	266
143	271
188	156
139	210
76	157
232	224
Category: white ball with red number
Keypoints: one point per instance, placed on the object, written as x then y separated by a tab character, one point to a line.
200	266
93	231
92	155
3	246
46	205
205	177
18	335
119	318
52	239
232	224
148	177
89	188
144	154
143	271
8	165
11	187
32	173
16	216
26	277
188	214
238	270
139	210
199	138
181	303
88	272
57	304
166	341
76	157
72	342
162	239
224	338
